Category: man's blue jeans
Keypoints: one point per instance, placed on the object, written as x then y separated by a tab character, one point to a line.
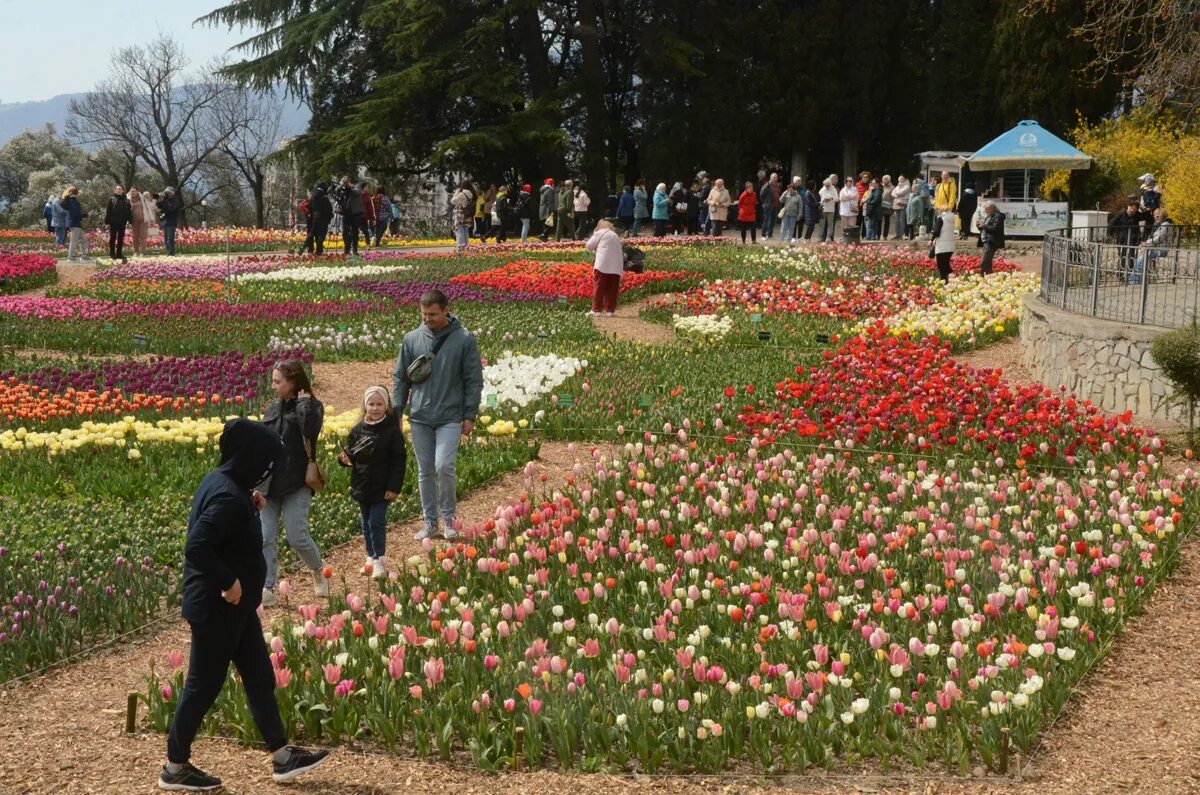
768	221
436	449
1142	263
169	239
788	229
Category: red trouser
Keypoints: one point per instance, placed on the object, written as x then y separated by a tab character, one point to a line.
604	291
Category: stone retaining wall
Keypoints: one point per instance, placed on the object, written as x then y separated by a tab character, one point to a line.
1106	362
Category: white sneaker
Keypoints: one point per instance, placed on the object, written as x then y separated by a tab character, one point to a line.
268	597
590	313
608	314
379	568
320	584
450	533
424	533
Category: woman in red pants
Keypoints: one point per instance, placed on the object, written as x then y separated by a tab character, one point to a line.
607	270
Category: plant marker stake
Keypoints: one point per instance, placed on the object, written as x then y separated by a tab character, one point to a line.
1004	732
131	713
518	741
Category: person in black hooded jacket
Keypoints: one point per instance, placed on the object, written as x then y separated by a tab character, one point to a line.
223	572
375	453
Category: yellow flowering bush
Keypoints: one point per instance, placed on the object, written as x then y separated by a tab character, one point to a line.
1127	147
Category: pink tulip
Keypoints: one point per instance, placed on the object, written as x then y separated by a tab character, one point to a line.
535	706
435	671
333	673
491	662
175	659
283	677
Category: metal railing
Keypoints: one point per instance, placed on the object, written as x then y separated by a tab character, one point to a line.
1085	270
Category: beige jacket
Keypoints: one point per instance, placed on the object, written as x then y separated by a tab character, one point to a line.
718	204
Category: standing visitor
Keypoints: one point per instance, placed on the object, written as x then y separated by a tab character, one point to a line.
383	213
460	211
223	570
662	208
789	211
524	210
321	211
439	376
60	220
943	243
351	204
143	219
946	197
297	417
77	250
812	209
966	209
693	209
606	270
485	220
718	207
625	208
496	216
888	205
848	205
394	226
768	201
829	208
582	202
168	207
873	209
641	210
702	196
370	214
117	216
305	209
678	209
480	201
991	236
546	207
900	195
564	211
1149	200
48	214
374	451
748	212
1125	230
915	211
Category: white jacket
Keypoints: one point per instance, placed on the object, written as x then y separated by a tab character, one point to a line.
900	195
829	197
582	201
849	203
609	257
945	241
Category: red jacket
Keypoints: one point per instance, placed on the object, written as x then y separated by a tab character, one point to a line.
746	206
371	205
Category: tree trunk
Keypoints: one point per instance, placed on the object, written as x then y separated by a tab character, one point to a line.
849	157
257	187
593	97
800	163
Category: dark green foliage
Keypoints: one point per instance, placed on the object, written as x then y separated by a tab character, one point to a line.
1178	354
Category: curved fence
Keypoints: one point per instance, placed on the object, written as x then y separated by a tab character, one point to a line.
1155	282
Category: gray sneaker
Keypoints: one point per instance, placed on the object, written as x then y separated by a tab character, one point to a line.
424	533
449	533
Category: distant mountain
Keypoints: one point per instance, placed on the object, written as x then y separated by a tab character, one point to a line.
16	117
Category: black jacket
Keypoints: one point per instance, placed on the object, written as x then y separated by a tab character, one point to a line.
224	536
119	211
377	459
295	420
1126	229
320	208
524	205
169	207
991	230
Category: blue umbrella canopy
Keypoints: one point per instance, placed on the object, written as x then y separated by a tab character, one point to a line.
1028	145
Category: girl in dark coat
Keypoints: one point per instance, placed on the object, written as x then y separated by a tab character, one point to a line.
375	453
297	417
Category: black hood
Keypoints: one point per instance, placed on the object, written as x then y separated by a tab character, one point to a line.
249	451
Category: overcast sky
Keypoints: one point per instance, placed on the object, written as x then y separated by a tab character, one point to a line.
63	46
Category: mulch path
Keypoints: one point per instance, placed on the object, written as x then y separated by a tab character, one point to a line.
1004	355
626	324
340	385
69	273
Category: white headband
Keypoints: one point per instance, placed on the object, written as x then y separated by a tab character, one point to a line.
376	390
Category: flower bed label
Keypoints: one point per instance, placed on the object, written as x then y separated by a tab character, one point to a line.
565	399
140	340
491	399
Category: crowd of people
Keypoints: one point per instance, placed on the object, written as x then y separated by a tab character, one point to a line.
137	213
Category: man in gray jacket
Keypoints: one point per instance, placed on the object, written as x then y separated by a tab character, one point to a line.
442	407
545	207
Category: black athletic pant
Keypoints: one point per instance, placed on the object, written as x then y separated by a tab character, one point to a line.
116	241
229	635
943	264
751	226
351	224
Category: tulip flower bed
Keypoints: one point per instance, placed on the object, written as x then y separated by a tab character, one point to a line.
688	605
77	570
20	272
160	385
148	291
841	299
570	279
829	261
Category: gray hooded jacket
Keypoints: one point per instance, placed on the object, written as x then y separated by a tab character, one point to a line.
452	391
